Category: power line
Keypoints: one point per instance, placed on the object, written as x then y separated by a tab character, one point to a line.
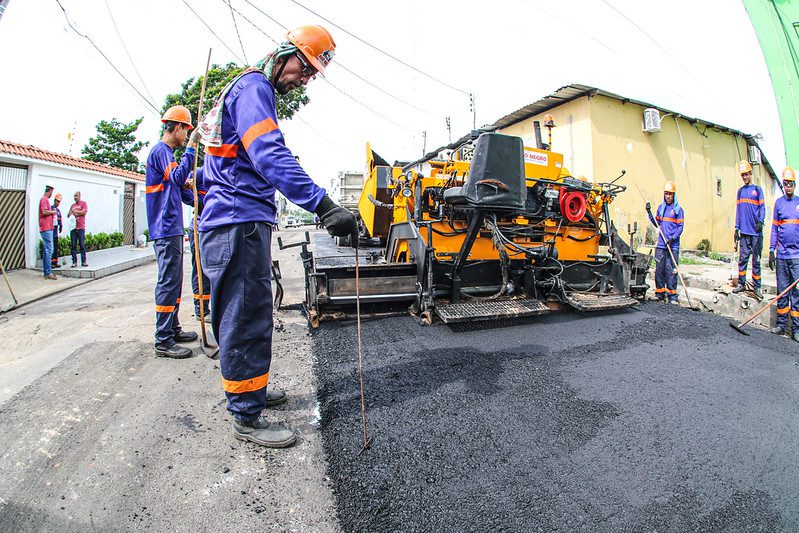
236	26
214	33
323	137
370	45
151	104
656	43
124	47
567	23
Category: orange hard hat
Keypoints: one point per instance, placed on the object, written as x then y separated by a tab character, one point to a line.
178	113
549	121
669	187
744	167
788	174
315	43
58	196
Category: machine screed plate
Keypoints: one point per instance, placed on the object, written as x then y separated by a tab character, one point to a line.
489	310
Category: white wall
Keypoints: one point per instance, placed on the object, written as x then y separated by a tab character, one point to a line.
104	195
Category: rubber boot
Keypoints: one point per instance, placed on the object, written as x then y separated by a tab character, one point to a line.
173	352
758	294
739	288
263	433
186	336
275	398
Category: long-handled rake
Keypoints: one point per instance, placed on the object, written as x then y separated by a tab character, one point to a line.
739	327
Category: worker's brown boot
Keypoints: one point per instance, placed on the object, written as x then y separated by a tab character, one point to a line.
263	433
275	398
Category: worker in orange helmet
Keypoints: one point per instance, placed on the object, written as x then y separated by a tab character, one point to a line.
246	162
750	214
784	254
670	218
165	178
58	227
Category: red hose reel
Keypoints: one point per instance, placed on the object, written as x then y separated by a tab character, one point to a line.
573	205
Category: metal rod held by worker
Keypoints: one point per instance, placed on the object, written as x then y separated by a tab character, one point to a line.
208	348
366	440
738	327
5	277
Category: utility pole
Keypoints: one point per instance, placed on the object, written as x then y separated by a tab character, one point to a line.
473	109
3	7
424	142
449	129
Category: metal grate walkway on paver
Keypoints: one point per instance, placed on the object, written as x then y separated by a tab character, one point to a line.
488	310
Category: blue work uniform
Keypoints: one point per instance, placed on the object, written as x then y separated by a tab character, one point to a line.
187	197
785	242
164	181
56	230
671	219
241	178
750	214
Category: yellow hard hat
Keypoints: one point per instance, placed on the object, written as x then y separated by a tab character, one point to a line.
744	167
178	113
788	174
669	187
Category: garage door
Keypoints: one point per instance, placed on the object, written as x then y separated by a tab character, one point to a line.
12	220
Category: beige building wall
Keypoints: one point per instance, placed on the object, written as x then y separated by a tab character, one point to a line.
599	136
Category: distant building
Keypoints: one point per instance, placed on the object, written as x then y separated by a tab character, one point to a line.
345	189
115	198
601	133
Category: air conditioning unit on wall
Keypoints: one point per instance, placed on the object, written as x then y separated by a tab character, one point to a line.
754	155
651	120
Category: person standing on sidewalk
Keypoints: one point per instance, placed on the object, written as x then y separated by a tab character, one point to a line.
164	180
750	213
46	215
246	162
78	235
670	217
187	196
58	227
783	252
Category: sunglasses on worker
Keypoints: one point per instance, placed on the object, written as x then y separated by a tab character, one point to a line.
307	70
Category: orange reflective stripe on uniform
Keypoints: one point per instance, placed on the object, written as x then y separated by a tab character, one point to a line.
742	272
748	201
675	220
205	296
256	130
226	150
154	188
671	291
755	276
164	308
660	290
169	170
245	385
783	310
787	221
795	313
177	302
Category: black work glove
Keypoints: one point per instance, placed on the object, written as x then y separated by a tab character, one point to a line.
648	208
771	259
737	234
338	221
759	227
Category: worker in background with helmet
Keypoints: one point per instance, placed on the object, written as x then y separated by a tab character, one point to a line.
670	218
187	196
750	213
246	162
58	227
165	178
784	253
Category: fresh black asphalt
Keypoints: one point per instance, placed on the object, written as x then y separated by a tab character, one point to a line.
652	419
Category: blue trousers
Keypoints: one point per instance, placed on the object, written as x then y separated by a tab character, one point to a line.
237	259
78	238
47	252
195	285
787	273
169	254
750	246
666	274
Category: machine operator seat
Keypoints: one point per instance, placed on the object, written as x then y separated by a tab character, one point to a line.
496	180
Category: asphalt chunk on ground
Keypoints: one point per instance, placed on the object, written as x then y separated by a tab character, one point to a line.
655	418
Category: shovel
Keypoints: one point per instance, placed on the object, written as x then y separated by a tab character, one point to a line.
210	347
739	327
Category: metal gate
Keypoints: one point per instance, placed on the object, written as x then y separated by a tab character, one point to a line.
129	214
12	222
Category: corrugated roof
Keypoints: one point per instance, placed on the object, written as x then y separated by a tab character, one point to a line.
572	92
32	152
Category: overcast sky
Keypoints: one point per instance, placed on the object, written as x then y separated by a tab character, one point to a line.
701	59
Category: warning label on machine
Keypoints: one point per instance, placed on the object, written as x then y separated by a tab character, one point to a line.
536	158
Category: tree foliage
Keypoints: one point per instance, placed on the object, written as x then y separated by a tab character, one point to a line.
115	144
218	78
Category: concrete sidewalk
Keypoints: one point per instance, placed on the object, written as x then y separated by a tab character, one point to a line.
29	285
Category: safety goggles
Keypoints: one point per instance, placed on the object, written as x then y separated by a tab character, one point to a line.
308	71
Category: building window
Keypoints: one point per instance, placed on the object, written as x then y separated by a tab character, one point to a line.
718	185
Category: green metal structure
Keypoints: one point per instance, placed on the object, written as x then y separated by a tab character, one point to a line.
776	24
